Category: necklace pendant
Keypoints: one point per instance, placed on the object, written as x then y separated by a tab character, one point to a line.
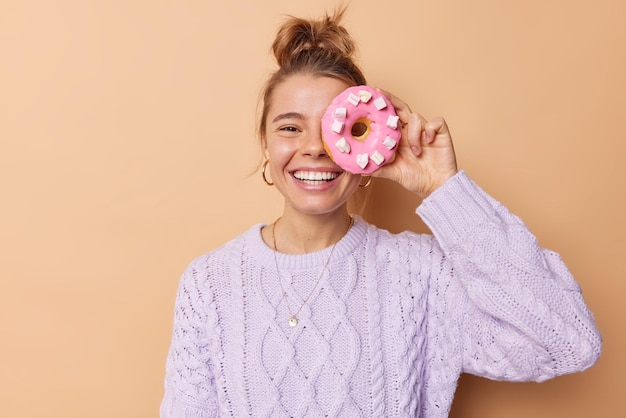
293	321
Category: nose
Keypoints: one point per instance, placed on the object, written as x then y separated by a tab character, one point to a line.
313	145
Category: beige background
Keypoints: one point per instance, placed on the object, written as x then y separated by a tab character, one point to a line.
127	143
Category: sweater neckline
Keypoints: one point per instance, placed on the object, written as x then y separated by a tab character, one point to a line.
346	245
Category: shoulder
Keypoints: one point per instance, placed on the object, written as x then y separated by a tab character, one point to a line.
401	245
382	235
215	263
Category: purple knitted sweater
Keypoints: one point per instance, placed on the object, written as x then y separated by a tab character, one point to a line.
394	321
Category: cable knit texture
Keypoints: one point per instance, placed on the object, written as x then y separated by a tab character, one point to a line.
394	321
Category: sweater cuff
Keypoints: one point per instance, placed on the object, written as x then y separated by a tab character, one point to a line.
456	208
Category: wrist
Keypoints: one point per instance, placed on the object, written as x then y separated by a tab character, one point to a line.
436	183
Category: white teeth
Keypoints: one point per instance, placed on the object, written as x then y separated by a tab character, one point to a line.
315	175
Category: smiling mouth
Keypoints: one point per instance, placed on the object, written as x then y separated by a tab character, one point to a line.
315	177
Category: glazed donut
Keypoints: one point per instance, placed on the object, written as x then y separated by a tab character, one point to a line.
360	130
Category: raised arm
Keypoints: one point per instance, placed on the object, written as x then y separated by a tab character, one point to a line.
519	313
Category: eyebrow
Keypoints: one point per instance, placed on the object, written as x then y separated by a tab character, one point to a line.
288	115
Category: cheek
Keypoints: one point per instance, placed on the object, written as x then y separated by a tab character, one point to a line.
278	159
277	150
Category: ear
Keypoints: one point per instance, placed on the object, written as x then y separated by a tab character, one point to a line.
266	153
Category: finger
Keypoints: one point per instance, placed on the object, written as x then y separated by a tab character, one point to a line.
414	133
433	128
414	122
402	109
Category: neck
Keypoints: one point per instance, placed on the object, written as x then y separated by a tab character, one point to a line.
300	233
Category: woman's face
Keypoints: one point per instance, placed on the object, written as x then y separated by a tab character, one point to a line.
299	165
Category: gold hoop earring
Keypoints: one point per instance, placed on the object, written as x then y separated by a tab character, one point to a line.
367	183
263	173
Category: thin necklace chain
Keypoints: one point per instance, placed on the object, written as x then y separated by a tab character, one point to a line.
293	317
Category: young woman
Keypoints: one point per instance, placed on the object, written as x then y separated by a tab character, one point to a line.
320	314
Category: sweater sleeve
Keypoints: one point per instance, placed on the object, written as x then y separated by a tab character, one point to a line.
519	312
189	382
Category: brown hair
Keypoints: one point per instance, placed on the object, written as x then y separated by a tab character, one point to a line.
317	47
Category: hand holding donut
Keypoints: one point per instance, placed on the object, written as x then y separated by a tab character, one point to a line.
425	157
369	131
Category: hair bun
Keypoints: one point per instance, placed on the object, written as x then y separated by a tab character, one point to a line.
298	37
318	48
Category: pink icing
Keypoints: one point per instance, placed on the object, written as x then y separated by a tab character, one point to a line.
377	147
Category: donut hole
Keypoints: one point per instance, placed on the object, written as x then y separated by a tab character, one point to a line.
360	129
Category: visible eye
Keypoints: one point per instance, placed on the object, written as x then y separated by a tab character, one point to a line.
289	131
